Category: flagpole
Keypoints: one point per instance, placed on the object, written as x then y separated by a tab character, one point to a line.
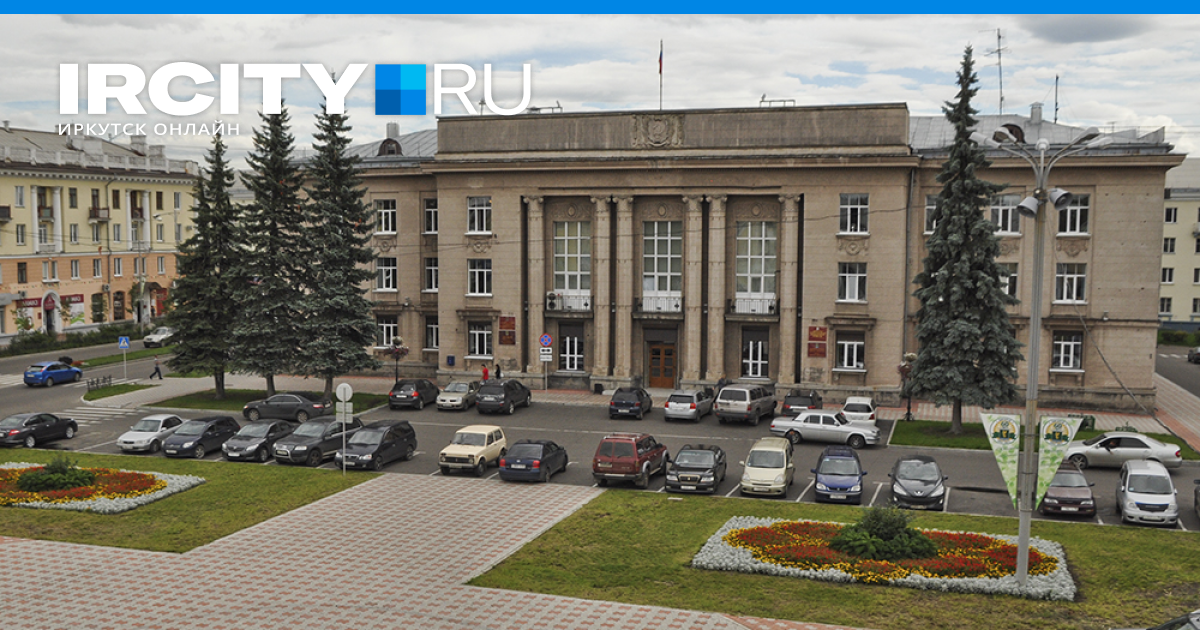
660	64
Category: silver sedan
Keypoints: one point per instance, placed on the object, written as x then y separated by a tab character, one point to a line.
825	426
1117	447
688	405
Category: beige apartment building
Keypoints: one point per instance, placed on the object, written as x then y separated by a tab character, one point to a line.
1179	294
88	230
773	245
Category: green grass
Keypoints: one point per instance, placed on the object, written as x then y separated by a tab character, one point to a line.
235	399
131	355
937	434
635	547
195	374
113	390
236	496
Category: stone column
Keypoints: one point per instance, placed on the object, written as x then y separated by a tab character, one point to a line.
127	201
693	278
58	220
623	326
789	300
716	287
537	283
602	286
35	218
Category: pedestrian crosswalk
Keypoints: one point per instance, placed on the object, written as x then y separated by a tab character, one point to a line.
97	415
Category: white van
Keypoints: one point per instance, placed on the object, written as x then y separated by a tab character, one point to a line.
769	468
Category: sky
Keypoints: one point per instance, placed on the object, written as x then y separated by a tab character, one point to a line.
1114	71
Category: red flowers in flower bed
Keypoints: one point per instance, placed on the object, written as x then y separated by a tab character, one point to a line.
110	484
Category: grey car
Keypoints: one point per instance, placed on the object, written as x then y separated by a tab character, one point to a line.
688	405
824	426
1117	447
1146	495
458	395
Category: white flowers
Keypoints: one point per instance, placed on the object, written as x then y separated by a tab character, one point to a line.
175	484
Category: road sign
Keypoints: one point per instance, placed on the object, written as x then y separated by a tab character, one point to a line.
546	352
546	358
344	392
123	343
344	411
546	340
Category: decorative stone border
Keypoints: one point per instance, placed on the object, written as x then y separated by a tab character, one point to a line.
175	484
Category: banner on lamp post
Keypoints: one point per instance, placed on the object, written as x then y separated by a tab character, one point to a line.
1004	434
1056	433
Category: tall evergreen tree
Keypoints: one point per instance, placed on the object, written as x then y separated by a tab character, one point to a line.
267	336
338	323
968	352
204	289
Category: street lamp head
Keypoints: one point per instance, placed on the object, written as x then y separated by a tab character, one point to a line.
1100	142
1089	134
1028	207
1059	198
1043	144
981	139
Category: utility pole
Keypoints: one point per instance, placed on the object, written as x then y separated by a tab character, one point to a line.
999	52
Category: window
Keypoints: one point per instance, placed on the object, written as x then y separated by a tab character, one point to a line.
662	257
573	256
386	222
431	216
43	234
50	270
158	232
479	215
22	272
931	213
1196	275
162	265
387	329
117	270
756	261
72	197
1074	218
158	196
479	339
852	215
96	198
1164	307
135	232
95	232
385	274
431	275
97	267
433	335
570	347
1005	215
1069	281
1008	278
852	282
1171	215
19	197
1195	306
73	231
116	230
116	199
1169	245
74	269
850	351
1068	351
1168	275
178	200
20	234
178	233
479	276
755	353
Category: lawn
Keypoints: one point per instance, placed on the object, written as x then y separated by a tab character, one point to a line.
635	547
235	399
113	390
131	355
937	434
236	496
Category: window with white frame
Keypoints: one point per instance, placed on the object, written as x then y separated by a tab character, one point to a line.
431	216
178	200
431	275
573	256
851	351
662	258
135	232
19	197
1195	306
1008	278
1196	275
162	265
96	233
43	234
386	222
47	272
1171	215
20	234
387	329
479	215
931	213
479	339
1074	218
1005	215
73	232
97	268
852	282
178	233
116	230
433	335
1068	351
479	276
1169	245
159	231
385	274
570	347
1164	307
1168	275
756	259
1069	282
756	353
852	213
74	269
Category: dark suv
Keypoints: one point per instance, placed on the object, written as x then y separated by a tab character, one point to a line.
798	400
496	396
629	457
839	475
630	401
315	441
374	446
412	392
697	468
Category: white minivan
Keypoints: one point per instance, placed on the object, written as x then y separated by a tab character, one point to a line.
769	468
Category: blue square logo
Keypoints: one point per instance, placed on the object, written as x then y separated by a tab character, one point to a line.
400	89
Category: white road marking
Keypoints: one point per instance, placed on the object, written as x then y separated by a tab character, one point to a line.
946	500
811	483
735	489
98	445
878	487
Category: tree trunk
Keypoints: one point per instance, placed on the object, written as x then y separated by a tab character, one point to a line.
270	385
219	383
328	387
956	418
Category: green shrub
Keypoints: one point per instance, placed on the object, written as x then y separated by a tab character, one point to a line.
883	533
1173	336
60	474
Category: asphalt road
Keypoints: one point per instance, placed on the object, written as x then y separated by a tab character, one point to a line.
1172	363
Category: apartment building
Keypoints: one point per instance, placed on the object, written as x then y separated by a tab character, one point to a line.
1179	293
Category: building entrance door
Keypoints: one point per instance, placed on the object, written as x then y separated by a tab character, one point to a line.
662	365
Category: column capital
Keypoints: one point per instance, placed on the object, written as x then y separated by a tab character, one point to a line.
622	198
533	199
601	199
789	198
716	198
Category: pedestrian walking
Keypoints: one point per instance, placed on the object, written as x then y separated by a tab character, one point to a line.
157	369
499	375
485	372
722	383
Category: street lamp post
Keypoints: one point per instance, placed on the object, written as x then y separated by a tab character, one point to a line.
1035	206
906	368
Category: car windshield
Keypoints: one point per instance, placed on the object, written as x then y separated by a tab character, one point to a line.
696	458
191	428
492	390
857	408
797	400
1092	441
470	439
458	388
310	429
255	430
625	396
840	418
1069	480
681	398
837	466
765	459
526	451
367	437
36	368
162	331
12	421
1150	484
918	470
733	394
405	387
147	425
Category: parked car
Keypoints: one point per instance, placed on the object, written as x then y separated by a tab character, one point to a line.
1146	495
859	409
50	372
255	442
297	406
918	482
630	401
533	460
1069	493
474	448
315	441
1117	447
149	433
697	468
458	395
412	392
196	438
1193	355
688	405
628	457
824	426
1196	501
769	468
159	338
32	429
798	400
503	395
839	476
745	403
1190	621
378	445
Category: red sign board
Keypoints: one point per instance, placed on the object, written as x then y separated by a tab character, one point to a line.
816	349
76	298
508	337
29	303
48	303
818	333
508	323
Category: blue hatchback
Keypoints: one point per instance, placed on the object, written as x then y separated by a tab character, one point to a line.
50	372
839	475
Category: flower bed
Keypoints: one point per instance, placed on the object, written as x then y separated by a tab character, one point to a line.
114	490
966	562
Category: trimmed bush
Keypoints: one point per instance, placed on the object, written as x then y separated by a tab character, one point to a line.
883	533
60	474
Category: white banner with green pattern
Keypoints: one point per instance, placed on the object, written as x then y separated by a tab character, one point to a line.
1056	434
1004	434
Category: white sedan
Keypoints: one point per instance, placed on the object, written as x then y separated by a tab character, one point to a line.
1117	447
148	434
160	337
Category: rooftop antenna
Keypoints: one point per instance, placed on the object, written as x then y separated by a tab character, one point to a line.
1056	99
999	52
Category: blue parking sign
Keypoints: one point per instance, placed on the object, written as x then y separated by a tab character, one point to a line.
123	343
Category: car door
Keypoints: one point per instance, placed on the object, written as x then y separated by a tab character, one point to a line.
1105	453
810	427
168	427
554	456
1131	448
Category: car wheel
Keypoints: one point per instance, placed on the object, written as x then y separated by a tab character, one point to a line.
76	377
481	467
1080	461
30	441
640	414
445	471
420	403
602	482
545	476
754	420
377	464
314	459
155	446
301	416
254	415
528	400
409	452
512	408
70	433
794	437
49	381
200	452
643	480
262	455
856	442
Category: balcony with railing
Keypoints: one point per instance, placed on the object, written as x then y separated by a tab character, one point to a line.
670	306
137	214
47	247
569	303
45	213
6	213
756	305
97	214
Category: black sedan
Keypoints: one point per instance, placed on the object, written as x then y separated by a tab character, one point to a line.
697	468
412	392
496	396
315	441
196	438
254	443
630	401
297	406
533	460
378	445
32	429
918	482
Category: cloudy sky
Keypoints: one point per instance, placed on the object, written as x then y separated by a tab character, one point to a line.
1114	71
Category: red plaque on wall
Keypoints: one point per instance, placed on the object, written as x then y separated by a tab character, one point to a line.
816	349
818	333
508	323
508	337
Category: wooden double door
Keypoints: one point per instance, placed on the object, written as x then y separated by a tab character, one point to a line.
661	365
